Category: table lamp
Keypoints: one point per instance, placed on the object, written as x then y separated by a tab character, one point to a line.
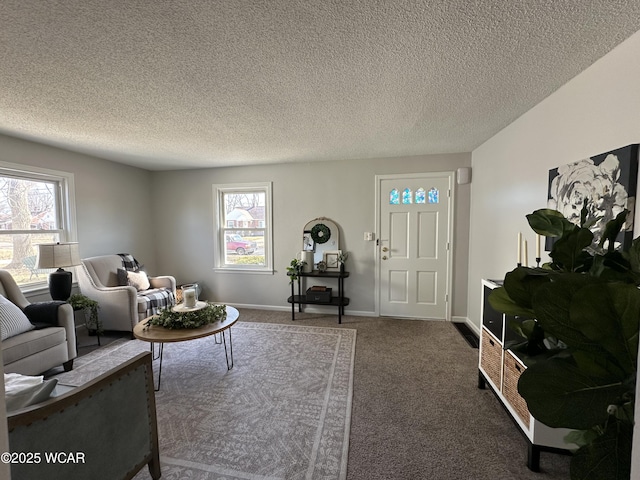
58	255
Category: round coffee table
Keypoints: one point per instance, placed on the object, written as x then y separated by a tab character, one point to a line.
156	334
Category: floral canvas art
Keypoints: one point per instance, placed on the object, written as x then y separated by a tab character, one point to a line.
608	181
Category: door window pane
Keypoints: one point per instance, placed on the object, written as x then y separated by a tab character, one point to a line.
406	196
394	197
434	195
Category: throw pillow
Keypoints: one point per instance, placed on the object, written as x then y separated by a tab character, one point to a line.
12	320
139	280
123	279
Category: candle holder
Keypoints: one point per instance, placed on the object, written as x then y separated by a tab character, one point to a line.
538	261
519	264
190	295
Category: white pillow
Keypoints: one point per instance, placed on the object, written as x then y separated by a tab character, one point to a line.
13	321
22	390
139	280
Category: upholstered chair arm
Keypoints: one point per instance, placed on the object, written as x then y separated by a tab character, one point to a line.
115	304
125	297
12	290
163	281
66	320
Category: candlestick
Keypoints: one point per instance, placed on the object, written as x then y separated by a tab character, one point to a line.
537	246
519	261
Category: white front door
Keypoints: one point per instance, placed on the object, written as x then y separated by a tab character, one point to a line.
414	244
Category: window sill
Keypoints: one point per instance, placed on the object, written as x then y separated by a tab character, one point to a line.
254	271
36	289
41	289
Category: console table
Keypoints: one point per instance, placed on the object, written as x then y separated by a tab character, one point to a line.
500	369
339	301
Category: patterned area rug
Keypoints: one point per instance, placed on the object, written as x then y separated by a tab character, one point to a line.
282	412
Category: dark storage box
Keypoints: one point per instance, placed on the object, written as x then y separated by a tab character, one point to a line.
319	294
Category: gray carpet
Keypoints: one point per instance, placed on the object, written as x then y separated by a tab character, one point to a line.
282	412
417	412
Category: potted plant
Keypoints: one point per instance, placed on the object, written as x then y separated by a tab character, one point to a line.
294	269
342	258
579	317
90	308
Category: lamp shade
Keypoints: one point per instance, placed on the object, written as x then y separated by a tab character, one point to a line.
58	255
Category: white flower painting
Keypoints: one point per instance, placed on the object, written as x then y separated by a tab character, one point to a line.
608	181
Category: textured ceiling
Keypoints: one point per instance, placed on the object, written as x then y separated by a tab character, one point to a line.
196	83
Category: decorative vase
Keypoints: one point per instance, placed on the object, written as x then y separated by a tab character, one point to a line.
307	258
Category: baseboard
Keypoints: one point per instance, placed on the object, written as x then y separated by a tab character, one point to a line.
273	308
307	309
318	309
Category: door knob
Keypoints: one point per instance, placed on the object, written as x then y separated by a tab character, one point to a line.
385	249
384	258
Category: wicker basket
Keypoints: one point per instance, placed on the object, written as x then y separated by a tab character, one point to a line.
513	368
491	358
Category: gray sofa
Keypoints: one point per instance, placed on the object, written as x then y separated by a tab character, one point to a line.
36	351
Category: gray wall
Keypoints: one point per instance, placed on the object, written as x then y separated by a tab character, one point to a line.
166	218
341	191
113	201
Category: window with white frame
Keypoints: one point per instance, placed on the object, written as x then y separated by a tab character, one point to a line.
36	206
243	227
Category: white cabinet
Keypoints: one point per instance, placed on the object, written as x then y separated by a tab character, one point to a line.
500	369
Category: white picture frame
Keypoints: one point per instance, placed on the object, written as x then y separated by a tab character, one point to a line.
331	257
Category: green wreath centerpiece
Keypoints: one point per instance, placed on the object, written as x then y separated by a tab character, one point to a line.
320	233
167	318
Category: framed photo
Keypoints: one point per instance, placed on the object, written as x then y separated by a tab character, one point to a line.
331	259
308	245
608	181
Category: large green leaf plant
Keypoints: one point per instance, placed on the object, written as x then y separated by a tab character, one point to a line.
579	318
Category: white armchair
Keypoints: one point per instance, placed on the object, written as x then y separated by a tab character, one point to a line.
36	351
121	307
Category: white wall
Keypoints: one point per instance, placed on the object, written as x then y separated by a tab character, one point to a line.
113	202
597	111
341	191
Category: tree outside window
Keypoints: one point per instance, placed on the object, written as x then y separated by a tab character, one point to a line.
31	212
